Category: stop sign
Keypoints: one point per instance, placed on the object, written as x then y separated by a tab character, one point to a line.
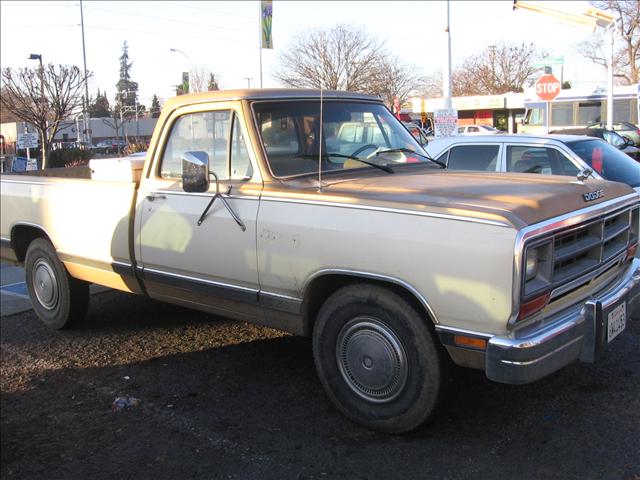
547	87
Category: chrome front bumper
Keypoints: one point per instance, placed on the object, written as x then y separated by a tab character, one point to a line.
578	333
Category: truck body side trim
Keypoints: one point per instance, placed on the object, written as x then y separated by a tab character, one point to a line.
209	287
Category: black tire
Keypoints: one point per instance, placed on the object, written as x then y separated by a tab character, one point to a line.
364	326
58	299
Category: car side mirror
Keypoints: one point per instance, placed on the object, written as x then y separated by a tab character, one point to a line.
195	172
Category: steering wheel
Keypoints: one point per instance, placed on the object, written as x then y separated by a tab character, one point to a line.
363	148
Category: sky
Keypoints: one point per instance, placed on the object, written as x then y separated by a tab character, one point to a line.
223	37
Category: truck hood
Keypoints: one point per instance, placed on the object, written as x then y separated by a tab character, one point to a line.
518	199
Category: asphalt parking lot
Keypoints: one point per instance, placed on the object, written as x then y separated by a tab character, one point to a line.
221	399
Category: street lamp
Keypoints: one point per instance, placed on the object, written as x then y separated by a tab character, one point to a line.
591	18
37	56
175	50
185	87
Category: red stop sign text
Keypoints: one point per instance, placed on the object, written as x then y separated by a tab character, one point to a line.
548	87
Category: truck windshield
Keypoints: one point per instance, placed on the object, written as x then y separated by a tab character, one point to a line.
608	161
290	133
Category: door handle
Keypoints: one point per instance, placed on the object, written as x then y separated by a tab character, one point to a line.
152	196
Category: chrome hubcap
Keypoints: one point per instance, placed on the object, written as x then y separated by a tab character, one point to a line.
45	285
371	359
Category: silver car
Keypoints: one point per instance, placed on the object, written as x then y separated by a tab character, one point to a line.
478	130
542	154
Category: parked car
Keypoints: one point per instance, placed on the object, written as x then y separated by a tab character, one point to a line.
419	133
543	154
625	129
626	145
478	130
110	146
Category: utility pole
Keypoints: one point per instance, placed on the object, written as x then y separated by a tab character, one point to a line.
446	78
610	27
492	56
260	39
248	79
43	101
85	121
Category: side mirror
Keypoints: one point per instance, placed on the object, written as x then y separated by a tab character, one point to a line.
195	172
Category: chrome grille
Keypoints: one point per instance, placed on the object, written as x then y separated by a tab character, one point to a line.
576	255
586	247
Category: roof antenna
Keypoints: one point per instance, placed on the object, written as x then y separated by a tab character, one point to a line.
320	147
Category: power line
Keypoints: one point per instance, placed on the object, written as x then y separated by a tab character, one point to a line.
172	20
184	5
41	26
164	34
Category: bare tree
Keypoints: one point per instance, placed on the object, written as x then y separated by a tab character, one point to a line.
202	80
341	58
5	115
394	79
43	97
115	124
499	69
432	86
626	69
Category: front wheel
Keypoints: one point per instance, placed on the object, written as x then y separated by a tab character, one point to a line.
377	358
58	299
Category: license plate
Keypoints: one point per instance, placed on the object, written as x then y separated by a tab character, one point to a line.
616	321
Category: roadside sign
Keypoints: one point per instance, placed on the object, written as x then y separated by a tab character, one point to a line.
27	140
547	87
445	122
547	62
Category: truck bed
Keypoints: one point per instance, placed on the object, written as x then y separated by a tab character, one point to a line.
92	236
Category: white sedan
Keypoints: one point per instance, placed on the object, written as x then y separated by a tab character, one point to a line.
478	130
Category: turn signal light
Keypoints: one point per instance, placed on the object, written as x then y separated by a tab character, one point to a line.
470	342
532	306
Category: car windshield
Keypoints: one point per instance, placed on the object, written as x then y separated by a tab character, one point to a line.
489	128
613	138
350	131
608	161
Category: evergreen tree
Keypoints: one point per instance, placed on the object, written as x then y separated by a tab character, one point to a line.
127	89
99	108
213	83
155	107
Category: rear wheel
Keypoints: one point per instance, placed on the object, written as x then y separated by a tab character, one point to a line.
58	299
378	359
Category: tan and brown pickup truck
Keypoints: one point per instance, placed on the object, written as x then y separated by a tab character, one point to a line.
319	214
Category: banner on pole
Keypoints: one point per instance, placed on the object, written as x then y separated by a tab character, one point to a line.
266	18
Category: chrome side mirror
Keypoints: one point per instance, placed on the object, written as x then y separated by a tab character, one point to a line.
195	172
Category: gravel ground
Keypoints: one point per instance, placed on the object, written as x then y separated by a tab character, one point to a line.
224	399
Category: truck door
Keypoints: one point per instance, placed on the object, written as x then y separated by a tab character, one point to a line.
212	266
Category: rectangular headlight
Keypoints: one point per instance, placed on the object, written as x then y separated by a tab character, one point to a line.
536	269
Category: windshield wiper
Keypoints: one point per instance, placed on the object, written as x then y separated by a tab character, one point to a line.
384	168
413	152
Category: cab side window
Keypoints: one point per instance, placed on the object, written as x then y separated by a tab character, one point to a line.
240	163
474	157
202	131
542	160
